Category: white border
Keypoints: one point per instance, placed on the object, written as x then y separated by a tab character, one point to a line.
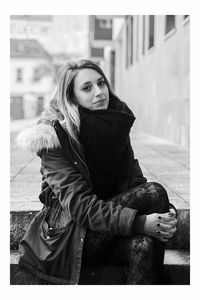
97	7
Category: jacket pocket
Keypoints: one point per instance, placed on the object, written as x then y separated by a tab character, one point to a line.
56	217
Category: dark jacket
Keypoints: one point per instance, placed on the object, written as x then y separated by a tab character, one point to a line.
52	246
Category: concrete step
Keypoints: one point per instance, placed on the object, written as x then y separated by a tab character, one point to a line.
181	238
176	265
20	220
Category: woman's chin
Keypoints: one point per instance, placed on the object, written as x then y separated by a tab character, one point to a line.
100	105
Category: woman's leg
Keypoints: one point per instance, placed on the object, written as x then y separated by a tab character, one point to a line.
96	247
138	254
147	198
142	253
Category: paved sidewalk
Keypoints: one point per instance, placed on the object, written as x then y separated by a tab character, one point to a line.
161	161
166	163
25	179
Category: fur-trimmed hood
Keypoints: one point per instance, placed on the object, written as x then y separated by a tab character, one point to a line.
38	137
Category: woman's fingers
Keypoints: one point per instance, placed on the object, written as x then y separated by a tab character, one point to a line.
167	217
172	210
163	233
166	234
166	225
160	226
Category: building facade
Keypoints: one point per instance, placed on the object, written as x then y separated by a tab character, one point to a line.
37	27
31	78
39	45
100	37
152	63
58	34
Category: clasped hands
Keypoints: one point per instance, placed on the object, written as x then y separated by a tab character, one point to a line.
161	226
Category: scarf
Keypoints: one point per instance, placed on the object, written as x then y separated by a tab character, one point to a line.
104	135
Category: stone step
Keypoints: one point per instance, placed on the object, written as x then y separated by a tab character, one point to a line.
20	220
176	265
181	238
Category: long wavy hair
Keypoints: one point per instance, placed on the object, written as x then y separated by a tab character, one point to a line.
64	106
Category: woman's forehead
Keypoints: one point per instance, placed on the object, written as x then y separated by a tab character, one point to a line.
86	75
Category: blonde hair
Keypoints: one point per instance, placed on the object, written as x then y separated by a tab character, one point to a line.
64	106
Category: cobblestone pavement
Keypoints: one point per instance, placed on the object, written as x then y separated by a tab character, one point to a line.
161	161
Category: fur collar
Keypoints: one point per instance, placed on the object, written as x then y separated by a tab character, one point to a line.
38	137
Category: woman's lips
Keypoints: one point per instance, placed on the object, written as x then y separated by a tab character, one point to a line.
100	103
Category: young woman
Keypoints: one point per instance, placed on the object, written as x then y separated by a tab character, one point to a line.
98	207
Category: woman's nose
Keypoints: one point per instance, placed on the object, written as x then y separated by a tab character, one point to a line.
97	90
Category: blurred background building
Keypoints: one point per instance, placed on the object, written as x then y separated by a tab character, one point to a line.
39	45
31	78
146	58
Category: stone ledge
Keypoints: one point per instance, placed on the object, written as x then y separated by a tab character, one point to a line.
176	266
20	220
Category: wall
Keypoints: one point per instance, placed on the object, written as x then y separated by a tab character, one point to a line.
156	85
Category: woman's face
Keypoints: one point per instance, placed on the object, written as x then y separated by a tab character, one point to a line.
90	89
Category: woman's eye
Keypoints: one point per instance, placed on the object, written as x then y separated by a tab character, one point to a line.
101	83
87	88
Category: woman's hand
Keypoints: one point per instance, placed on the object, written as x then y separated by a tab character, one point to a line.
161	226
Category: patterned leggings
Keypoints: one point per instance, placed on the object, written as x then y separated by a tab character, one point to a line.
142	254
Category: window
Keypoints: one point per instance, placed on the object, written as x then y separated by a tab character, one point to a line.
105	23
144	36
36	74
170	23
97	52
127	45
137	37
44	29
19	75
129	41
16	107
112	65
151	31
40	106
102	29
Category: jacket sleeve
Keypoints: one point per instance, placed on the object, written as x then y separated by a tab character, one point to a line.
79	200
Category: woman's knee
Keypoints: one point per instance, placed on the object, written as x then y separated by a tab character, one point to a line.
142	246
159	197
142	242
155	186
